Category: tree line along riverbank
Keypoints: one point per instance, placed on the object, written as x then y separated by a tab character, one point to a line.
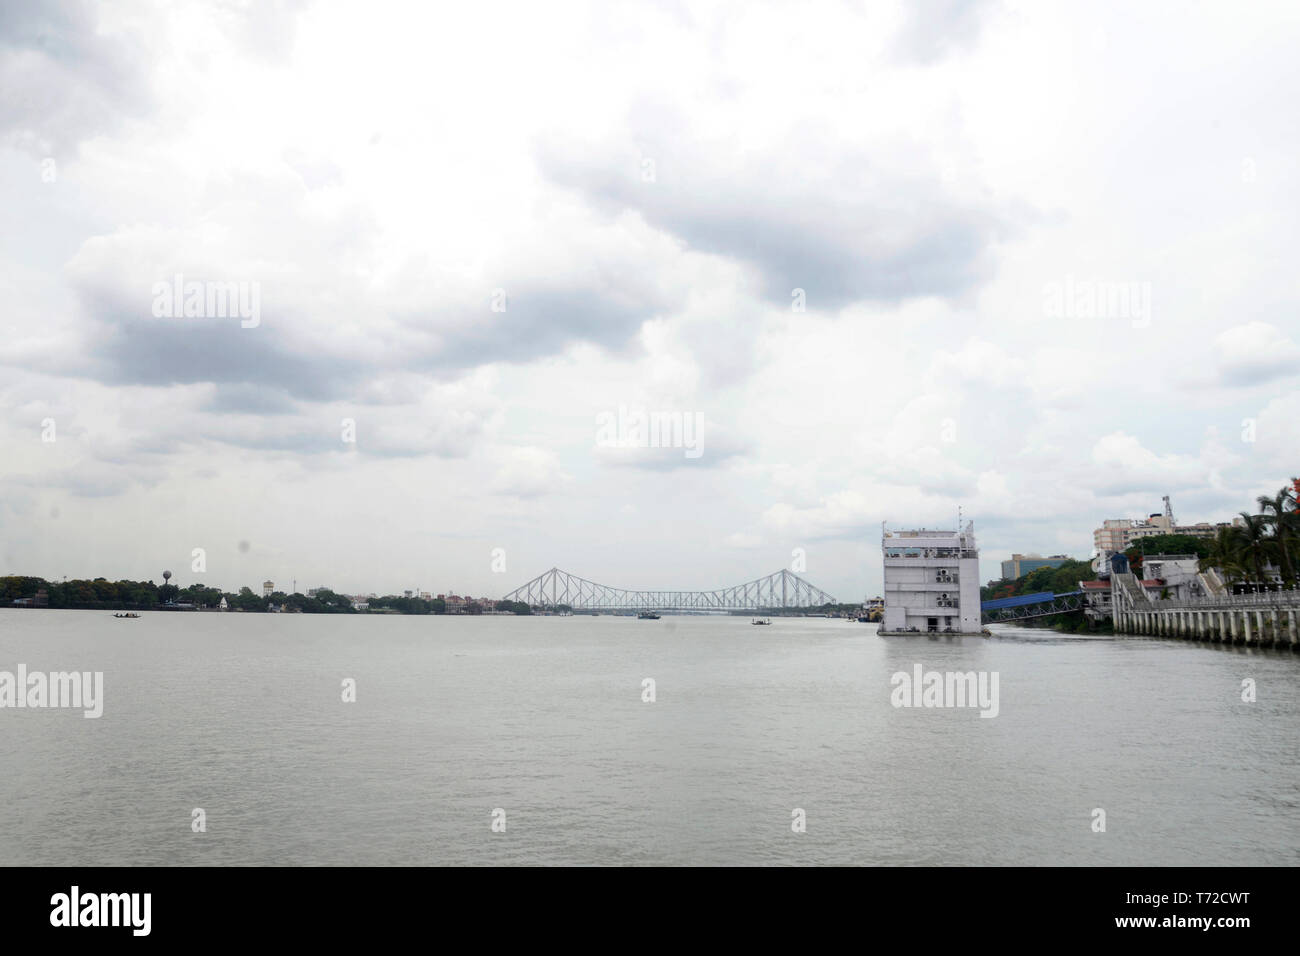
125	595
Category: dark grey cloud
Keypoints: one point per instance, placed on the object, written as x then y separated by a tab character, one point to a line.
266	368
335	338
844	231
63	79
245	397
538	321
123	343
72	69
185	351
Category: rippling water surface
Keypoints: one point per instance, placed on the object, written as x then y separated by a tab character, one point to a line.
241	715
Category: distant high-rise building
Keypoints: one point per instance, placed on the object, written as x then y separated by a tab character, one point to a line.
1021	564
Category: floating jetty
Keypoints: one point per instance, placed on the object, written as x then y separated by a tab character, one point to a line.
931	582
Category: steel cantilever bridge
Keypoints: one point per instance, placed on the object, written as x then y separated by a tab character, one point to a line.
780	589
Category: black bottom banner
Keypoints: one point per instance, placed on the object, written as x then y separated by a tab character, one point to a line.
185	905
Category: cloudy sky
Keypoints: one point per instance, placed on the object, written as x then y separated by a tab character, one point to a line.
1030	260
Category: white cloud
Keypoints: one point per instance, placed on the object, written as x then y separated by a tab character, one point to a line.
1256	353
529	473
1124	465
890	161
1277	436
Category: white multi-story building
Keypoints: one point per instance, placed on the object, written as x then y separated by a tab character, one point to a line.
1118	534
931	581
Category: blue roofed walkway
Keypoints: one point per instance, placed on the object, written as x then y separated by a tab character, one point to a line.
1023	606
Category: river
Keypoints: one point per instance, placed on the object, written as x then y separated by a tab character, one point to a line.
545	720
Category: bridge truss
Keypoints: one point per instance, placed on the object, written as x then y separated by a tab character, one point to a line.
1048	605
779	590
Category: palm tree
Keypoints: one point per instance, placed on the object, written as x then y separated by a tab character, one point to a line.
1224	556
1253	544
1279	511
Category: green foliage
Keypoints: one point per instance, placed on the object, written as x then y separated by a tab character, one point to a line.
331	602
201	595
408	605
79	593
19	586
1167	544
514	607
1057	580
143	595
246	600
1244	551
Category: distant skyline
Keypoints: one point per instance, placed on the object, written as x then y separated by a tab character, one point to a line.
876	262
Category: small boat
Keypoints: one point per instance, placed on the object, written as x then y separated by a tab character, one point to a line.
647	616
758	620
127	614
